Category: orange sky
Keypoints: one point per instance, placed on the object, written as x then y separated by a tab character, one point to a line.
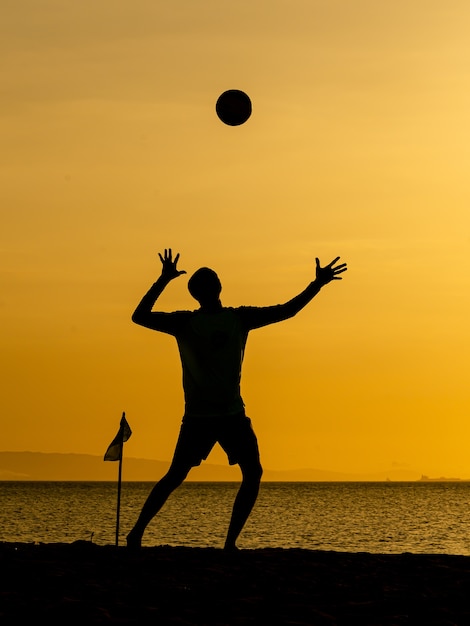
358	146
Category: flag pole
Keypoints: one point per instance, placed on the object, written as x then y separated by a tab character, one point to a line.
115	453
121	444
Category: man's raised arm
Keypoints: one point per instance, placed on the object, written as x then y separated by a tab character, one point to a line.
324	275
277	313
143	313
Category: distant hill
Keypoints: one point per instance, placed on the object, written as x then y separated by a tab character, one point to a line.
86	467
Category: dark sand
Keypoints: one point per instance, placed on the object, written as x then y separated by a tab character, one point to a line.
82	583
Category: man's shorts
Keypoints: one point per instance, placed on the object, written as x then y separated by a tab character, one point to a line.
198	435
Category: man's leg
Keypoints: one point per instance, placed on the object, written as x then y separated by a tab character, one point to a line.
156	499
245	500
192	446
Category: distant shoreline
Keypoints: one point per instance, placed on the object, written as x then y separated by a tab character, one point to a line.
49	466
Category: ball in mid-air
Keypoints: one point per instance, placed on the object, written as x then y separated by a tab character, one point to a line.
233	107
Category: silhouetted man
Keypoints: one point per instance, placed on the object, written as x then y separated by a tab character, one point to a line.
211	342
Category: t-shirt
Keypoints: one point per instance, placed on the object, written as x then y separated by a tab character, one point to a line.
211	347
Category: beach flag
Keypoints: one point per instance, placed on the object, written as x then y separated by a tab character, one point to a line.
114	451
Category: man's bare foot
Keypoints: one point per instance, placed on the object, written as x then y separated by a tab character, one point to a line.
231	547
134	542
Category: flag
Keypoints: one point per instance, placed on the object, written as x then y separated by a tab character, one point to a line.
114	451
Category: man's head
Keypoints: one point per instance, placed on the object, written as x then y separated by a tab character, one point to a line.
204	285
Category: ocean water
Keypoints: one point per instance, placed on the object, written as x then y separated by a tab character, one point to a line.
389	517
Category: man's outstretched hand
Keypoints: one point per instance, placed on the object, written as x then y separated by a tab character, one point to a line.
330	272
169	269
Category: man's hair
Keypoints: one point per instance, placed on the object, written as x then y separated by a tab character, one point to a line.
204	285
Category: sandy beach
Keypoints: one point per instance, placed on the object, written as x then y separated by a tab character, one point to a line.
82	583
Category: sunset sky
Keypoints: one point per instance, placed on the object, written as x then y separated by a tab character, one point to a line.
358	147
